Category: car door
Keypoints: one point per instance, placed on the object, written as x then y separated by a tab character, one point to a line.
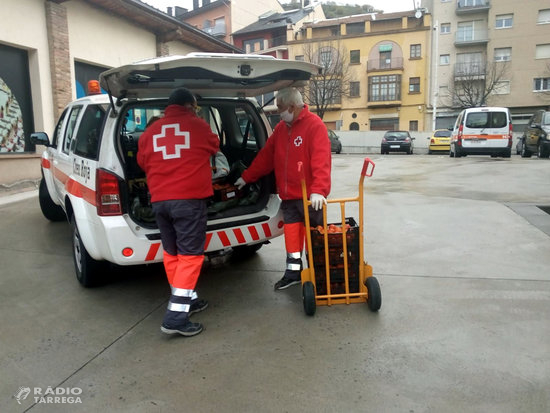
533	128
206	75
63	161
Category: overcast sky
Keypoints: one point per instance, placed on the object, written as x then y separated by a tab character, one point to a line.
389	6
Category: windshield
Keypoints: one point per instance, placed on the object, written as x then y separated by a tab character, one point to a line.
546	119
401	135
486	120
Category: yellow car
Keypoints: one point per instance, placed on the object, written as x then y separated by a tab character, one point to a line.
440	141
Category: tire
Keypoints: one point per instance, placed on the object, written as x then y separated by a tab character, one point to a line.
542	152
245	251
374	299
525	153
89	272
49	209
507	154
308	296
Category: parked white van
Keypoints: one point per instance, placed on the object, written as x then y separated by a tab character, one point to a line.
482	131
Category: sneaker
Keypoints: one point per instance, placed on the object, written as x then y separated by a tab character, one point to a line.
285	283
188	329
197	306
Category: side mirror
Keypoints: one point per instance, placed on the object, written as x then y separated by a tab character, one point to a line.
40	138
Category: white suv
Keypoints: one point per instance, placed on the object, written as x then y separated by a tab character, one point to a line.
90	173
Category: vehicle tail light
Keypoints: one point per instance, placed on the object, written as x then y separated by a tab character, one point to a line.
459	137
432	141
510	136
107	194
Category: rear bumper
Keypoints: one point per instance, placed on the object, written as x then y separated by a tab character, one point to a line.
396	147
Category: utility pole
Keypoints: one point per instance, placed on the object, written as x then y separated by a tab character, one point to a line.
435	84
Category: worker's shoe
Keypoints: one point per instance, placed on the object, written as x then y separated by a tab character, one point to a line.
290	278
188	329
197	306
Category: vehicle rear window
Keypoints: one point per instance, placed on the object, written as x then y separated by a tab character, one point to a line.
402	135
486	120
442	134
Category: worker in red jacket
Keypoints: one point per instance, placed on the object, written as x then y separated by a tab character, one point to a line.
301	136
175	153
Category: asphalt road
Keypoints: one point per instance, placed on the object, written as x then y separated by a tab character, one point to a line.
459	247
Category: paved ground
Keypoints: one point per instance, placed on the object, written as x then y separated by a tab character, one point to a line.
459	248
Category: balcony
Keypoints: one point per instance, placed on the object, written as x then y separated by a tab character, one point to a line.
472	6
395	63
218	30
471	37
470	70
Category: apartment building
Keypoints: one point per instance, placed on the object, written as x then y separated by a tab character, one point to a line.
222	18
495	51
385	65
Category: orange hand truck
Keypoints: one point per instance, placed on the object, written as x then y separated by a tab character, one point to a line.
337	273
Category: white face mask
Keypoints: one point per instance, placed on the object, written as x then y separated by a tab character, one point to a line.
286	116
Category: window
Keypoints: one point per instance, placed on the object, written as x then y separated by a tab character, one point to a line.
414	85
502	87
445	28
56	137
416	51
469	64
326	92
544	16
89	131
385	60
503	54
542	51
352	28
504	21
354	56
353	126
383	88
253	45
354	88
413	125
444	59
325	58
71	128
384	124
465	31
541	84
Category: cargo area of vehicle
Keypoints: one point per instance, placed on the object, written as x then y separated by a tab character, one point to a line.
242	133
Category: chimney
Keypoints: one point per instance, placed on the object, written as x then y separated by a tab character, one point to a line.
169	11
195	4
180	11
205	2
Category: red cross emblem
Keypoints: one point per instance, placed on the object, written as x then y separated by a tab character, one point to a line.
171	148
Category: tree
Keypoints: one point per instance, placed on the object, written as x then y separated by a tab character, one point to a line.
473	83
327	88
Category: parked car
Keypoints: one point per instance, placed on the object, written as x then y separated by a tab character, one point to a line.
335	144
440	141
90	176
397	141
537	135
482	131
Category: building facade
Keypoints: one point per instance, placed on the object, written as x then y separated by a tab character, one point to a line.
222	18
500	49
49	49
384	60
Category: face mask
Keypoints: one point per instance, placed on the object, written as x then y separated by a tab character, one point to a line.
286	116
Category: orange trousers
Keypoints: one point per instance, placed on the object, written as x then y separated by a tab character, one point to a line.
183	271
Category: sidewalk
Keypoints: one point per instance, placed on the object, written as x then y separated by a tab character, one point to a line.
11	197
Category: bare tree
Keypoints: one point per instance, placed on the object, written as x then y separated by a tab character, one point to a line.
475	82
327	88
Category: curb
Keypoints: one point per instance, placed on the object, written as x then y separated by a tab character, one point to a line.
9	199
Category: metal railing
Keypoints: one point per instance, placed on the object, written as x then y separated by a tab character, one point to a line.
385	64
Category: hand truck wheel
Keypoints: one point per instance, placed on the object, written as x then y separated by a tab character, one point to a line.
374	299
308	295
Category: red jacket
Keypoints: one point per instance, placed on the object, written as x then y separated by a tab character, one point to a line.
175	154
306	140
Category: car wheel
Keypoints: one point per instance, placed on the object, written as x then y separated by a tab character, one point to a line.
374	298
49	209
308	296
245	251
541	150
525	153
88	270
